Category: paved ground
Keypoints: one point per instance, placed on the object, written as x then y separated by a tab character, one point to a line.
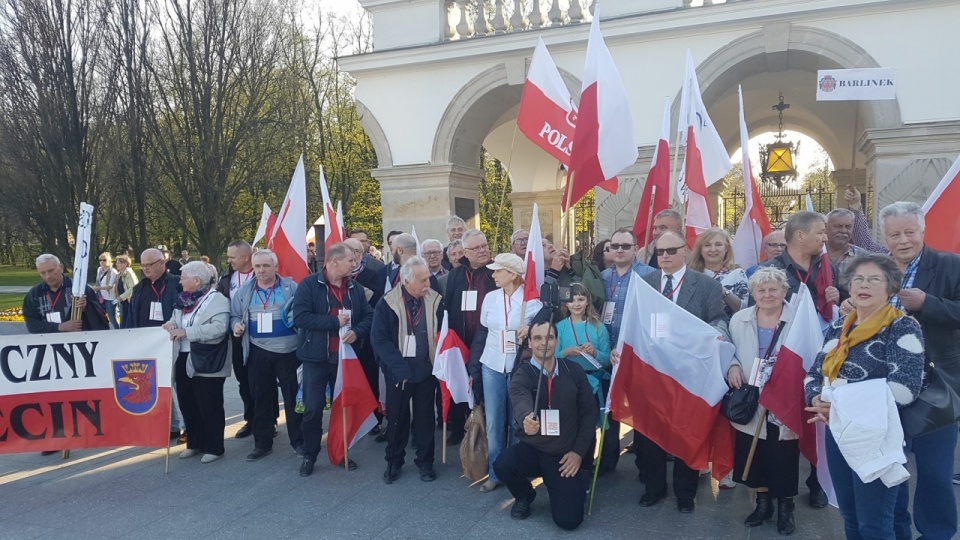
123	493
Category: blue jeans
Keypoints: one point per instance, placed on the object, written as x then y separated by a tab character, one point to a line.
867	509
934	499
499	415
110	307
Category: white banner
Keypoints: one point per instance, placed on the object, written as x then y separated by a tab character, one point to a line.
856	84
82	259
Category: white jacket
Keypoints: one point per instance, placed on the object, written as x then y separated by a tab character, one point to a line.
866	425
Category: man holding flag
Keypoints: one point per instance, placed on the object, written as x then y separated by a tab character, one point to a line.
404	334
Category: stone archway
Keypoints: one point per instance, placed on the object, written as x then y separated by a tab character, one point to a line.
381	145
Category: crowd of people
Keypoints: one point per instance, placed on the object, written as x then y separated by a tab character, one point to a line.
542	371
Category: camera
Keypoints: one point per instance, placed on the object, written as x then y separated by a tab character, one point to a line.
552	294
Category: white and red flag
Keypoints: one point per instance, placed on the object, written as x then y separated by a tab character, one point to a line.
603	144
288	238
267	222
748	241
670	380
656	191
533	278
343	230
940	213
332	229
352	394
548	115
706	160
450	368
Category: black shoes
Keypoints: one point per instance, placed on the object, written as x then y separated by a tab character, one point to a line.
763	512
258	454
652	499
521	507
306	468
245	431
818	498
685	506
351	465
785	524
427	474
391	474
49	452
382	436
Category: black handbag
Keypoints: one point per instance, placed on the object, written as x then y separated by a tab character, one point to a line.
740	404
209	358
937	406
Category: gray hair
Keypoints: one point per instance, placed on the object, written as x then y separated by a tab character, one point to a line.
768	274
405	241
46	257
337	252
470	234
431	241
197	269
515	233
841	213
887	265
669	212
213	273
773	233
801	222
453	221
902	208
266	253
406	271
454	244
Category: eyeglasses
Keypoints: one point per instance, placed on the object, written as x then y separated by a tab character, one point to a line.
618	247
520	241
774	244
103	260
432	253
872	280
484	247
668	251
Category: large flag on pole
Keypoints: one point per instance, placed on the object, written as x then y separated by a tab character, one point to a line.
548	115
343	230
351	393
941	215
267	222
656	191
533	279
670	380
332	231
603	144
706	160
288	238
748	241
450	368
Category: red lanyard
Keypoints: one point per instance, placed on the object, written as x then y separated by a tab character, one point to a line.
413	322
266	300
573	329
54	301
717	274
550	391
239	275
469	275
675	288
809	270
506	311
337	293
613	286
157	294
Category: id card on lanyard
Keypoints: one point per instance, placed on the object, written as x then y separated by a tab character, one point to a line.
508	338
549	417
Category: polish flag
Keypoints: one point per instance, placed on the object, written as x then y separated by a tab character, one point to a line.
670	380
783	394
748	241
548	115
940	213
332	231
267	222
351	393
288	238
706	160
413	233
533	278
343	230
656	191
603	144
450	368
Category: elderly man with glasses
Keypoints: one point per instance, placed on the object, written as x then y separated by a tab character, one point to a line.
518	243
432	251
773	245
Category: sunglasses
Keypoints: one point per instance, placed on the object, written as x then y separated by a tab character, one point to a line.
668	251
618	247
103	260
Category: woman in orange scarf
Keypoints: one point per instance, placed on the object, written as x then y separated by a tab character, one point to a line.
875	341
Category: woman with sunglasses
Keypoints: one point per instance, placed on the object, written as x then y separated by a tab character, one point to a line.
602	255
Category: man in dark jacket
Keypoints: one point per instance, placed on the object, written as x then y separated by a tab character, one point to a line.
467	285
555	406
47	306
930	292
404	247
328	307
404	333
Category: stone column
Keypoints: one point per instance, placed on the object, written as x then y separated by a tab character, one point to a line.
620	210
426	195
548	206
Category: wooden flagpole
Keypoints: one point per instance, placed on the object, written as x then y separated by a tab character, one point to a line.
648	234
444	435
346	460
753	445
596	465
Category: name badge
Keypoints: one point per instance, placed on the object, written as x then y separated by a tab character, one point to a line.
54	317
659	325
468	301
550	422
156	311
508	342
608	309
409	346
264	323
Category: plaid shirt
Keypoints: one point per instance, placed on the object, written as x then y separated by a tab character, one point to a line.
908	278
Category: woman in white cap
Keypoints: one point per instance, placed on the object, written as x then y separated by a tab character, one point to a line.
503	326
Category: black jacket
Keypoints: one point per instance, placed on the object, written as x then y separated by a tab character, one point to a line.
311	316
939	277
93	318
171	292
389	273
456	284
795	273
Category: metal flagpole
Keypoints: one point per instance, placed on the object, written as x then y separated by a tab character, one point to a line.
503	193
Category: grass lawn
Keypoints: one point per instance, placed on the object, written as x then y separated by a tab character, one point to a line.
8	300
18	275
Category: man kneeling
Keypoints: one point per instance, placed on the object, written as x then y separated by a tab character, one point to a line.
553	402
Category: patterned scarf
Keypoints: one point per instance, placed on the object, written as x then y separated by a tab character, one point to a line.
187	300
872	326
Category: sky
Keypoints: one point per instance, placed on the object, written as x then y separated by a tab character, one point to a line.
810	155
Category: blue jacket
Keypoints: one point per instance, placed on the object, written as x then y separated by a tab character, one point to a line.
311	315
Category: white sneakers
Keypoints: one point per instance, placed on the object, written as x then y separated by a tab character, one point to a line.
210	458
207	458
189	453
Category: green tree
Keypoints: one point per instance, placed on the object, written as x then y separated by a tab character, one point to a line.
496	210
